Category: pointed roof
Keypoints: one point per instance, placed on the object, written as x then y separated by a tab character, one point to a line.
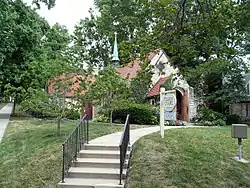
156	88
115	51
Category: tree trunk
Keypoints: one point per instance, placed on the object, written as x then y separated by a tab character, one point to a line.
58	126
111	117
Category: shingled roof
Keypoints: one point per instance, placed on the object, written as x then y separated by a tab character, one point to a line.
130	70
156	88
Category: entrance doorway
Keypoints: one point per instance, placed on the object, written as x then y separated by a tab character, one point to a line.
179	105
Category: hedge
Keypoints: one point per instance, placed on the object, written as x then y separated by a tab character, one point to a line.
139	114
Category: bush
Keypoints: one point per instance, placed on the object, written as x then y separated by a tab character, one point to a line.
208	117
139	114
233	118
102	118
220	122
206	114
72	114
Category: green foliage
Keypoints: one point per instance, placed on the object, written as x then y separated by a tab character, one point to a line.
49	3
38	102
72	114
30	52
139	114
168	84
108	90
208	117
220	81
220	122
201	44
94	36
140	85
102	118
232	118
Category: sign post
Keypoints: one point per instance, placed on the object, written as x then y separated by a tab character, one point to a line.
167	108
162	91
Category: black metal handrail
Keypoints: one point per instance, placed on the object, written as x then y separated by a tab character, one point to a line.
124	142
73	144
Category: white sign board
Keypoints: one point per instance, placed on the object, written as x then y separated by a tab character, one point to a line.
169	106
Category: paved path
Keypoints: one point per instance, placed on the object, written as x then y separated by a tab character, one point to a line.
5	113
114	139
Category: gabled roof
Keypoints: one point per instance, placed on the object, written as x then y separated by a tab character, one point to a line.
74	81
130	70
156	88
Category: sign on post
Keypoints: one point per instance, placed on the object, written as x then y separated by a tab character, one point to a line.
167	108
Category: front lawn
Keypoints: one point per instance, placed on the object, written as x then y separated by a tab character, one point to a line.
189	158
30	153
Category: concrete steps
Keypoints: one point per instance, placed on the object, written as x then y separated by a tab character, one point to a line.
90	183
97	166
98	163
108	154
87	172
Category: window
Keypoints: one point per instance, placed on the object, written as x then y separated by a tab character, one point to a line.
152	102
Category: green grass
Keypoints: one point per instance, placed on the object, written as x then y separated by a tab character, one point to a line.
189	158
30	153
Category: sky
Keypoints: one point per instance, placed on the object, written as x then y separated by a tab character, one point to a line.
66	12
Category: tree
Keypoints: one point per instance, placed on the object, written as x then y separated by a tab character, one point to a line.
49	3
108	90
21	32
140	85
94	36
32	52
220	83
203	40
50	105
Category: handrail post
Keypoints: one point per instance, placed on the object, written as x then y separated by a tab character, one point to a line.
87	130
76	144
85	134
63	162
121	165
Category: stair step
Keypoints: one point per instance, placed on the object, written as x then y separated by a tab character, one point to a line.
99	154
98	162
101	147
90	183
101	173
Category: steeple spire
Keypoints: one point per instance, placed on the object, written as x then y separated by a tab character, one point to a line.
115	58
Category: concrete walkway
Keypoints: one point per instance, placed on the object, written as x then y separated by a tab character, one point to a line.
114	139
5	113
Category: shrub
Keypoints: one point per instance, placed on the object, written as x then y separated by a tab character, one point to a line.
220	122
139	114
206	114
102	118
208	117
72	114
233	118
